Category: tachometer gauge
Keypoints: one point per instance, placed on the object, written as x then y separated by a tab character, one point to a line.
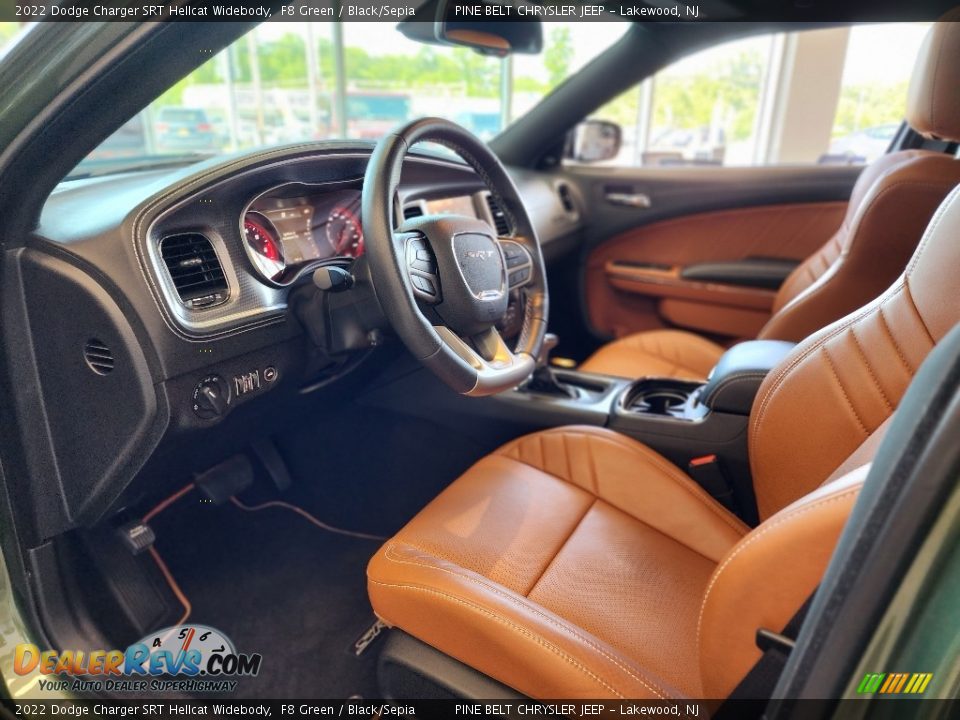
261	237
344	232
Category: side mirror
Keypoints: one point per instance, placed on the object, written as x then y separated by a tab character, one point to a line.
594	141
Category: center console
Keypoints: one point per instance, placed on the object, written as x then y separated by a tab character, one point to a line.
696	425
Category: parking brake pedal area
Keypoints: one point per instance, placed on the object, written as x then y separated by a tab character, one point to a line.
223	481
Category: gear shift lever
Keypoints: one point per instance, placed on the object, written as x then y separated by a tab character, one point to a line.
543	379
550	341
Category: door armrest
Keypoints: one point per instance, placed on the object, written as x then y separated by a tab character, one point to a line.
754	272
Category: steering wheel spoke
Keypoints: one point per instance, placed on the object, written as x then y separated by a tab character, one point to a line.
518	260
489	355
492	348
421	266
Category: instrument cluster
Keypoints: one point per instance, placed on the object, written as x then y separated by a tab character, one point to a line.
286	231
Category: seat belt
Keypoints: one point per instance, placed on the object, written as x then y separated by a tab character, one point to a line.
758	684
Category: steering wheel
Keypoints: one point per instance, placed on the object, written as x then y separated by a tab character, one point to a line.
444	281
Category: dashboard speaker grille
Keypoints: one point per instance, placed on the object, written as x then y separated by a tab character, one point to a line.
499	218
195	269
98	356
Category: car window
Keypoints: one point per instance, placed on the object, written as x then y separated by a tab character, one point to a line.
833	96
8	31
289	82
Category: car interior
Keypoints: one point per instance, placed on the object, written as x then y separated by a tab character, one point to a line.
436	416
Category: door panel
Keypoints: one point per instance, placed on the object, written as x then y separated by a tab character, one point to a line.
647	225
615	272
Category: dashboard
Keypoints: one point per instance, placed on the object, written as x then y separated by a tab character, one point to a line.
221	248
176	301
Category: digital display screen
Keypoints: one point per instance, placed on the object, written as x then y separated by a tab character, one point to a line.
462	205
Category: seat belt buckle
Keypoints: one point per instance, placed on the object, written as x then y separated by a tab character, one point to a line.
709	475
770	640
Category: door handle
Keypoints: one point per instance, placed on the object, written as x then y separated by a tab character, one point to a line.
634	200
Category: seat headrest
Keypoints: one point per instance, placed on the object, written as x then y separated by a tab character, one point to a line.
933	102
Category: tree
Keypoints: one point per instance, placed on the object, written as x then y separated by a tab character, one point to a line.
868	105
558	57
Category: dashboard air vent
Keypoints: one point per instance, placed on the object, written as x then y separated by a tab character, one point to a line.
412	211
566	199
98	356
499	218
195	269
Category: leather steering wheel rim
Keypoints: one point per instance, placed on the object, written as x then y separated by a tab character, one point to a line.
453	335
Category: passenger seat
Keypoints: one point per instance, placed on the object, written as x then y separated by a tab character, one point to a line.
891	204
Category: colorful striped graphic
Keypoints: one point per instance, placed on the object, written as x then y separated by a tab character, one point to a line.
894	683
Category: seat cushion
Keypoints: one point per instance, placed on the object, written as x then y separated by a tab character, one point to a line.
656	353
570	563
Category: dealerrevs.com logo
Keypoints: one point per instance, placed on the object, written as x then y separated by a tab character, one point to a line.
183	658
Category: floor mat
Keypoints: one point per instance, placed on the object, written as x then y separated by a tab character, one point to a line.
277	585
372	468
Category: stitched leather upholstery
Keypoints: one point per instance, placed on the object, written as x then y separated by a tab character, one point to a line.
847	379
561	556
890	205
657	353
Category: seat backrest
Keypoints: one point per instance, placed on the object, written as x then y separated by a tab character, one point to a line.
835	389
890	206
815	427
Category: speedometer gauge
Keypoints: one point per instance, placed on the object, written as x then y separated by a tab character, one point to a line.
292	229
344	232
262	239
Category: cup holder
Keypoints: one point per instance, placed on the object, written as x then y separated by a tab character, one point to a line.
659	396
659	402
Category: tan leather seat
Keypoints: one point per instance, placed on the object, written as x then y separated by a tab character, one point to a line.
579	563
890	205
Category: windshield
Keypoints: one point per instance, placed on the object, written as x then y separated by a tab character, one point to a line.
286	82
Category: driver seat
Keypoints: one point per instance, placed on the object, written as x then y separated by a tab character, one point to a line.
579	563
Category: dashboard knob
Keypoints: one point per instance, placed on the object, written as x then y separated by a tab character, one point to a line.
211	397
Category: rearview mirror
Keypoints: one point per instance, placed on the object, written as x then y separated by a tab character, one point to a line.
594	141
474	25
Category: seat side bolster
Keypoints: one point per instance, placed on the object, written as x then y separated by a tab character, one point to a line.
765	579
517	642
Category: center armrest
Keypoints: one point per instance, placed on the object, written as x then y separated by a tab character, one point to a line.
734	382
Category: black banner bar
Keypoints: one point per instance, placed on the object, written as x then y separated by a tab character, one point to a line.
487	10
446	709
